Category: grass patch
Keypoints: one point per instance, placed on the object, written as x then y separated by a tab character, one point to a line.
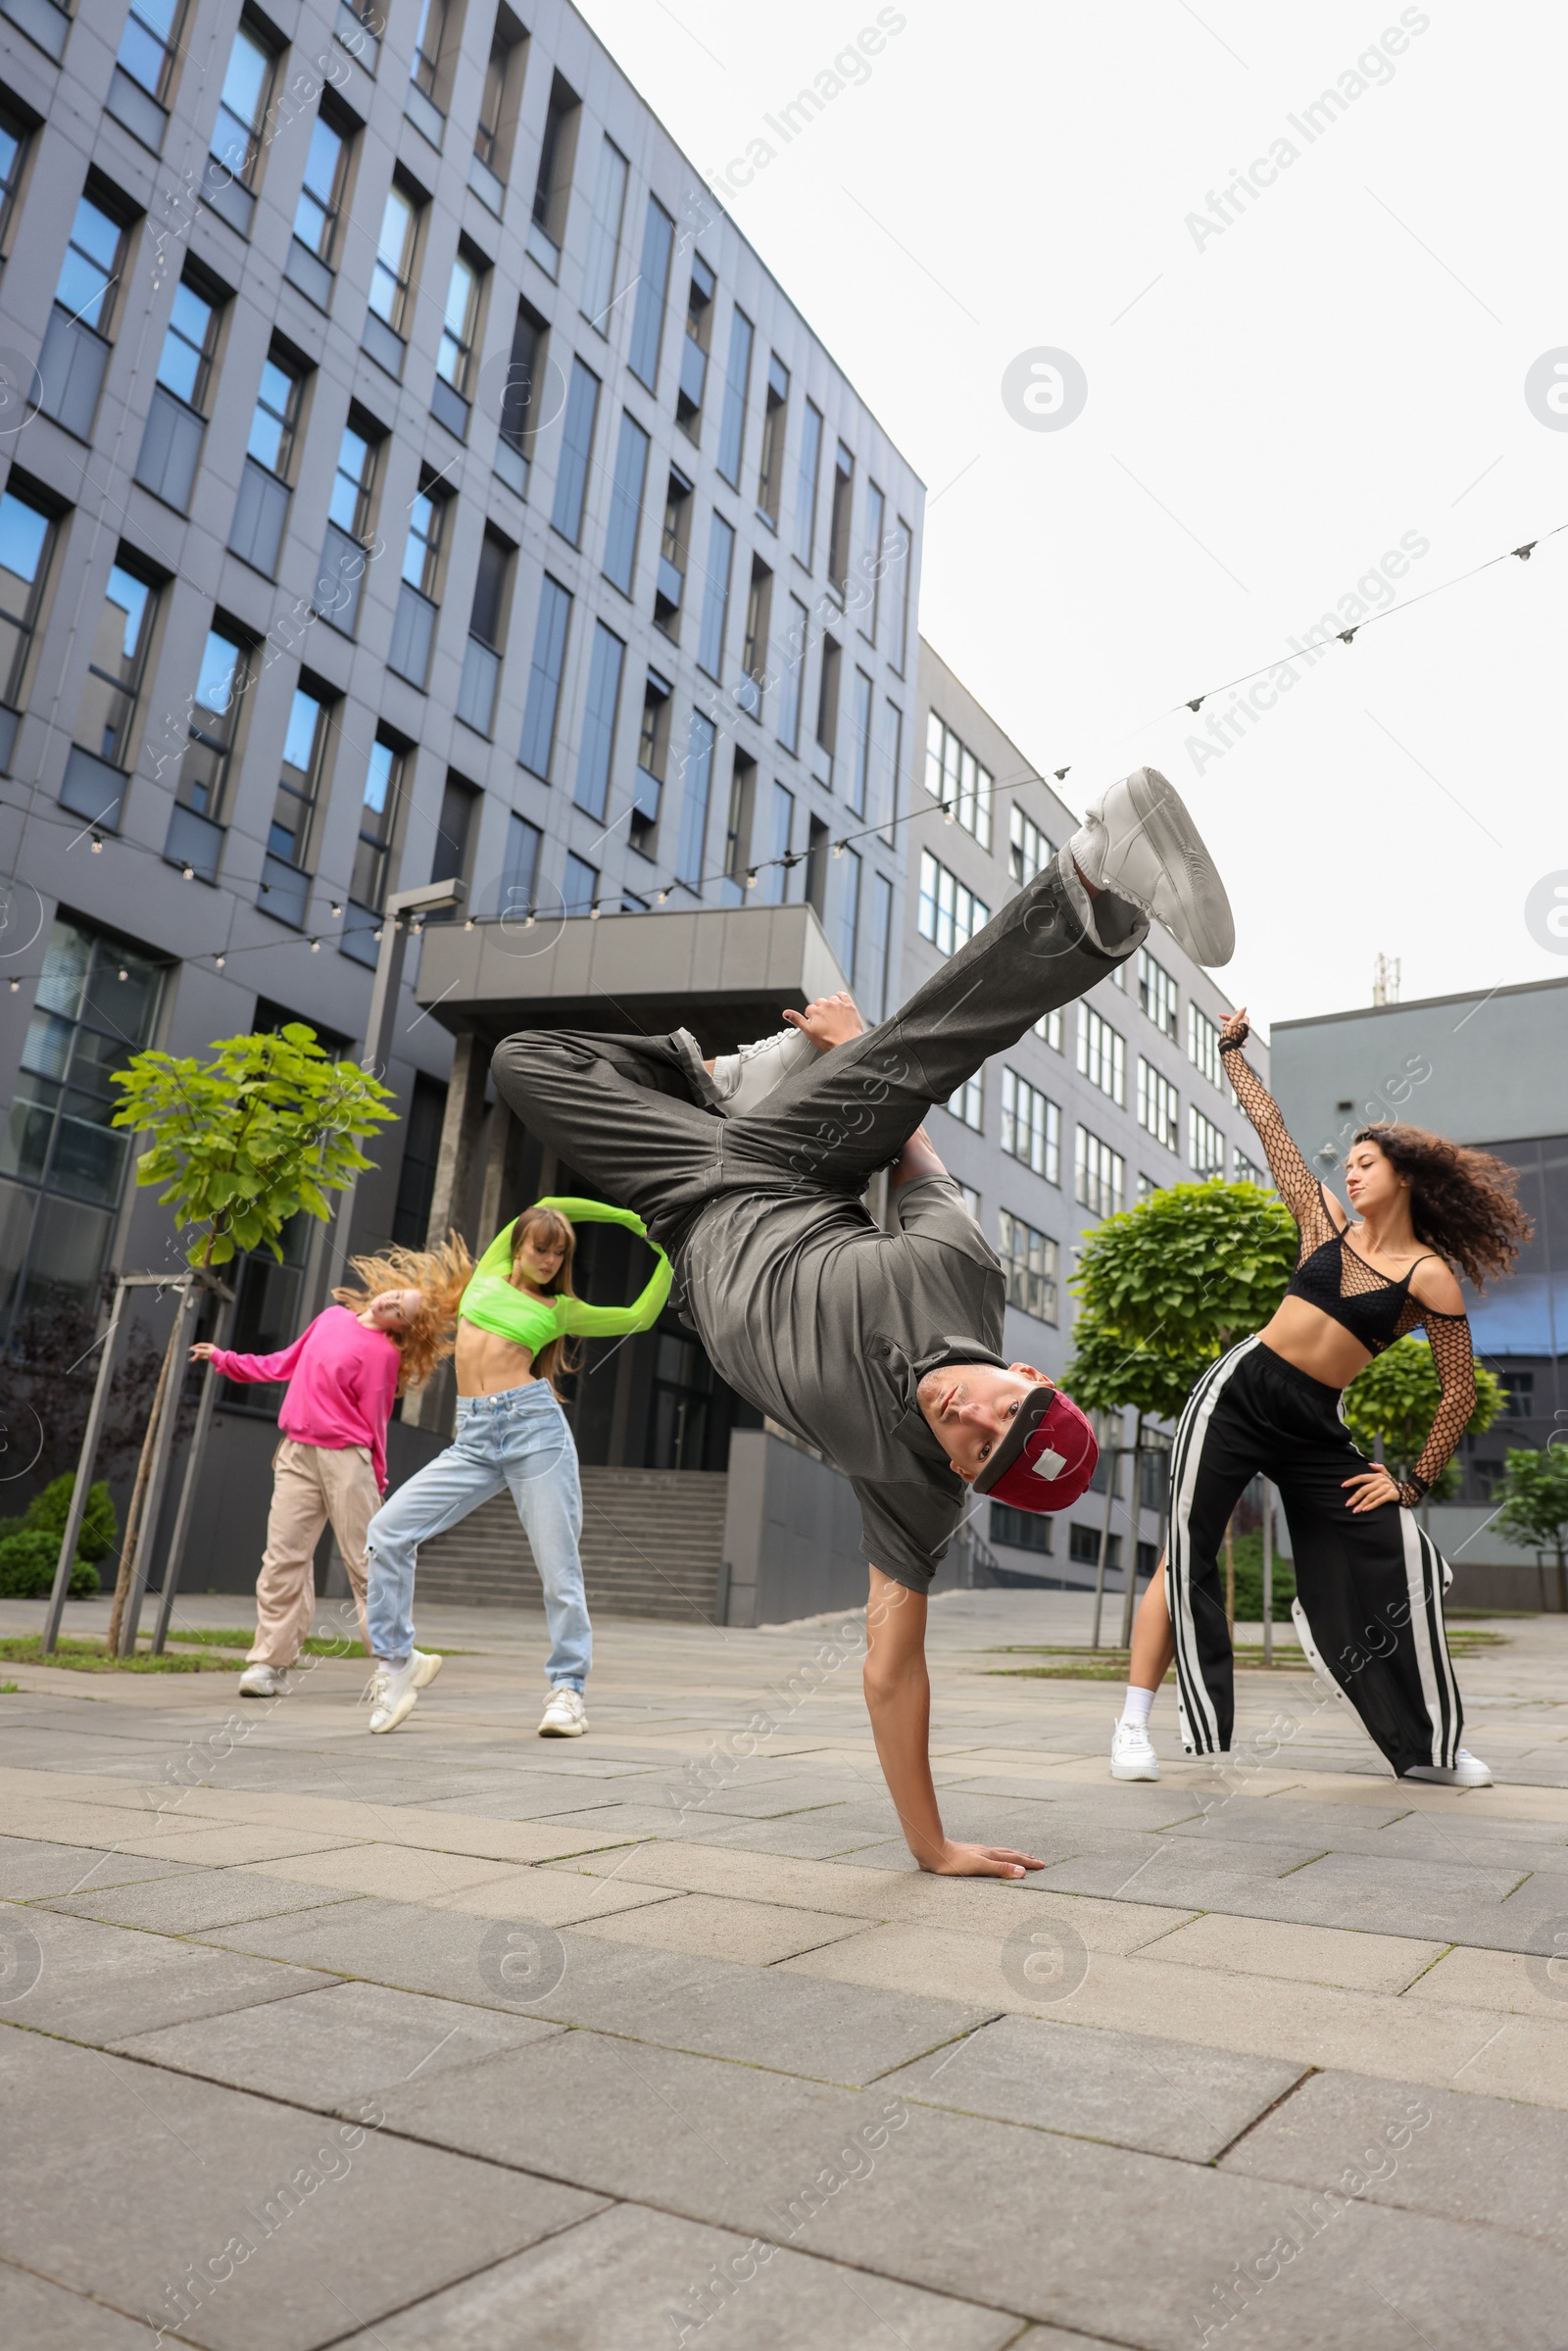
79	1656
9	1688
318	1645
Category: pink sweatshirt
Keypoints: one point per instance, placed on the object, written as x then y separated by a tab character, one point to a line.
342	1384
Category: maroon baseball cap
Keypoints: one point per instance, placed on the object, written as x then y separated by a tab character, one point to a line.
1047	1458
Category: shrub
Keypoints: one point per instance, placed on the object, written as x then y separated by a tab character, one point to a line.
28	1557
1250	1579
50	1509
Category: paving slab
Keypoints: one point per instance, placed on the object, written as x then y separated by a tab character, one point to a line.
1248	1946
31	1871
717	1925
335	2048
1425	2150
246	2225
35	2314
195	1900
630	2278
95	1983
1163	2097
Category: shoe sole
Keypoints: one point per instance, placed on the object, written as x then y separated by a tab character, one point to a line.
427	1672
399	1714
561	1730
263	1693
1133	1771
1190	870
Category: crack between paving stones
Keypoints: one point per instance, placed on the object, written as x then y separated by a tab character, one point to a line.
1284	2099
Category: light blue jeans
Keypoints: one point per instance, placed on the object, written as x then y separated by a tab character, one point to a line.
519	1439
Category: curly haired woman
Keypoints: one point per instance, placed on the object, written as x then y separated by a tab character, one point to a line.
1369	1581
386	1332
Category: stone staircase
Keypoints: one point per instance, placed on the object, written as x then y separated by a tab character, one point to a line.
653	1543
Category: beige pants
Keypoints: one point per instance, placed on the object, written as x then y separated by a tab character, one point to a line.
311	1484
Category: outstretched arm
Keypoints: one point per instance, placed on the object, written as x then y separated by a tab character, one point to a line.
898	1696
1453	1354
1294	1182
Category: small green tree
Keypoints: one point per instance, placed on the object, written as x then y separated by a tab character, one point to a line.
1535	1507
240	1143
1390	1408
1166	1286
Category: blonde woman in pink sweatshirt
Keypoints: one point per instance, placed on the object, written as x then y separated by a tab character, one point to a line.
345	1372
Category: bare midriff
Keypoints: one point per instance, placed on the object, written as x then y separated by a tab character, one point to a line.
488	1365
1312	1341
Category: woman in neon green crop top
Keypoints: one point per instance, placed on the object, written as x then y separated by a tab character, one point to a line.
515	1321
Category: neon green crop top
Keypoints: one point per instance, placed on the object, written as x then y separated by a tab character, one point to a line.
494	1304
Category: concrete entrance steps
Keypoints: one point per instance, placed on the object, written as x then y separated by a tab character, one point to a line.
653	1542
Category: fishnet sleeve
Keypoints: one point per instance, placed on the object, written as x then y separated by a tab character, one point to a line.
1455	1358
1294	1182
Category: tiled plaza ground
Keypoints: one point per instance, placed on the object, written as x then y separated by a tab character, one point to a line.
464	2039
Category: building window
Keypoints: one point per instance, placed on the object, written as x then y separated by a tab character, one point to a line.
91	268
1202	1046
827	709
1031	1126
758	625
716	598
422	1151
604	234
1101	1176
300	779
576	452
64	1163
107	721
214	726
1047	1028
1029	1262
149	44
871	561
848	927
379	823
971	1201
544	678
1205	1147
1147	1189
948	914
16	136
626	503
1021	1530
1083	1546
839	521
519	398
738	828
968	1102
699	778
1160	1110
805	485
277	418
459	324
28	532
487	629
552	193
791	676
771	465
652	285
594	760
892	768
1156	993
190	343
422	549
354	484
429	43
955	778
689	392
1246	1171
392	273
320	204
1028	851
777	879
860	748
579	886
737	387
1102	1054
905	560
520	873
237	140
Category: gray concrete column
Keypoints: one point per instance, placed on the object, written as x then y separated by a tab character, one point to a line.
451	1199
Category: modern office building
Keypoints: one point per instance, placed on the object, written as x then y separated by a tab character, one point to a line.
1102	1105
409	472
1485	1069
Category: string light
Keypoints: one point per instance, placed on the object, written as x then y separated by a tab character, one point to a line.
336	906
315	946
122	973
750	878
189	873
97	845
220	961
592	911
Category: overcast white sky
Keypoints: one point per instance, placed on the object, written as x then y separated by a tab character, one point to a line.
1340	366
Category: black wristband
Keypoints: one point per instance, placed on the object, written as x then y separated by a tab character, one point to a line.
1232	1044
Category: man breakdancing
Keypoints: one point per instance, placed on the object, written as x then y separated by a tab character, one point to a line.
878	1348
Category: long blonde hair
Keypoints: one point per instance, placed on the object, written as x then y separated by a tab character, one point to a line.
561	1355
442	1274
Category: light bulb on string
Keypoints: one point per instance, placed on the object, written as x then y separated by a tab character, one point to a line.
97	844
220	961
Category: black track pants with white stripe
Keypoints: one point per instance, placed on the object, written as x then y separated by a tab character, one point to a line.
1369	1583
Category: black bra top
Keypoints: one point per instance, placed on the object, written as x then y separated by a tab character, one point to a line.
1339	1281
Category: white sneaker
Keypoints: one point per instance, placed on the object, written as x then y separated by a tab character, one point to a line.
427	1665
263	1682
744	1080
1132	1753
1468	1771
1138	840
564	1717
393	1693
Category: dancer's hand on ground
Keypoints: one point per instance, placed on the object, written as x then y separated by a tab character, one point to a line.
831	1020
980	1861
202	1352
1373	1488
1236	1024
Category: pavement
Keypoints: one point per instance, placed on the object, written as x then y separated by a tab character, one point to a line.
657	2037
